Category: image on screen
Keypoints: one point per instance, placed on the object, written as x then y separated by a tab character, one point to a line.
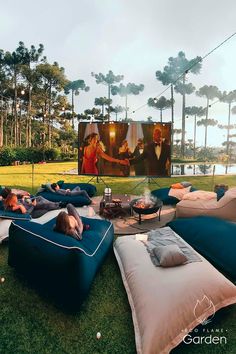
124	149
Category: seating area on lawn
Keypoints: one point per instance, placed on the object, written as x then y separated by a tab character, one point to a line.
76	277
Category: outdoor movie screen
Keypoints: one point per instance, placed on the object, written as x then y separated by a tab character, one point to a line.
124	149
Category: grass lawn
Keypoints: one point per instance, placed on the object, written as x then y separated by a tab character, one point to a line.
30	323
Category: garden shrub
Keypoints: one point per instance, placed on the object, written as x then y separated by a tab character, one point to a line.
7	156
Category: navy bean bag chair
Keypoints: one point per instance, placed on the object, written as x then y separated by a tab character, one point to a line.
75	200
58	264
213	238
162	194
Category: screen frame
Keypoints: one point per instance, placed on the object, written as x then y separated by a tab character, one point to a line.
132	176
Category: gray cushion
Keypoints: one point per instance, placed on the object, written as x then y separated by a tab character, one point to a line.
169	256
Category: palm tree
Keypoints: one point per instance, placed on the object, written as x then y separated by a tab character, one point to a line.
108	80
196	112
125	91
228	98
174	74
75	87
161	104
210	92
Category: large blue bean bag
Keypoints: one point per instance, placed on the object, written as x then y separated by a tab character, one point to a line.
60	265
162	194
214	238
75	200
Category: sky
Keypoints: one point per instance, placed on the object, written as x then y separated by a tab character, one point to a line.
133	38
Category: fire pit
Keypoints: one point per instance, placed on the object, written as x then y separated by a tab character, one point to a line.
141	206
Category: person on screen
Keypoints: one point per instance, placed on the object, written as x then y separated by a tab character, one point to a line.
156	154
92	152
125	153
139	167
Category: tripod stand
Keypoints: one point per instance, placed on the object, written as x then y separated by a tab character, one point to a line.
98	179
150	180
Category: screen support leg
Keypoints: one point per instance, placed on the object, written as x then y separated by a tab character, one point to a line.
98	179
149	180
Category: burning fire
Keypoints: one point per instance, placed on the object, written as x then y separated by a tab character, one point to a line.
146	201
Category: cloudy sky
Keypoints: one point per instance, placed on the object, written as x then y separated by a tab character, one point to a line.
133	38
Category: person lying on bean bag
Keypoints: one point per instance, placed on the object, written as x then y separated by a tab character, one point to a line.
71	192
70	223
27	205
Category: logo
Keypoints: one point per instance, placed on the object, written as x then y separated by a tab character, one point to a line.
202	307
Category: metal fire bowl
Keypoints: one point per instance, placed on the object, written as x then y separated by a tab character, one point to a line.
146	211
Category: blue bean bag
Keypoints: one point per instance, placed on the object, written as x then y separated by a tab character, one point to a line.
162	194
214	238
58	264
4	214
75	200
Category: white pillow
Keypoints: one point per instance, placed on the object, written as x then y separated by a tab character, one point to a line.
203	195
179	193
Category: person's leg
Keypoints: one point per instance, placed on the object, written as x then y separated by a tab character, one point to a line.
76	189
42	203
80	192
72	211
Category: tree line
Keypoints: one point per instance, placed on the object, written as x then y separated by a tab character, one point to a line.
37	100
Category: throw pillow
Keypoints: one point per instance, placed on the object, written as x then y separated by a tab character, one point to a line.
178	193
169	255
186	184
177	186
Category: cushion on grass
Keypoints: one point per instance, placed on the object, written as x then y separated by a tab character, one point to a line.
13	215
163	194
214	238
163	300
62	265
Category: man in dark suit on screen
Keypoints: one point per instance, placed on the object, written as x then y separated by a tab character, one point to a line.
157	156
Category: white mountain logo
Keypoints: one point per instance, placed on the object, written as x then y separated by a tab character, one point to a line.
204	306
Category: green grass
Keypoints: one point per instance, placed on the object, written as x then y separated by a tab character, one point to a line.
30	323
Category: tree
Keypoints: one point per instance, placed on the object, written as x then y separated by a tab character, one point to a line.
30	74
161	104
117	110
75	87
196	112
209	92
13	63
53	80
108	80
174	74
125	91
228	98
103	101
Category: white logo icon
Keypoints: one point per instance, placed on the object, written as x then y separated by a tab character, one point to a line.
202	307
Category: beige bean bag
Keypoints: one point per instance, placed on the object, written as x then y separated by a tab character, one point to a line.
225	208
164	300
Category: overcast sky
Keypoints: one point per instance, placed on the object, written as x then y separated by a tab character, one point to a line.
133	38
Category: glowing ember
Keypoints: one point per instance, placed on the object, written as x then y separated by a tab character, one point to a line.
142	204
